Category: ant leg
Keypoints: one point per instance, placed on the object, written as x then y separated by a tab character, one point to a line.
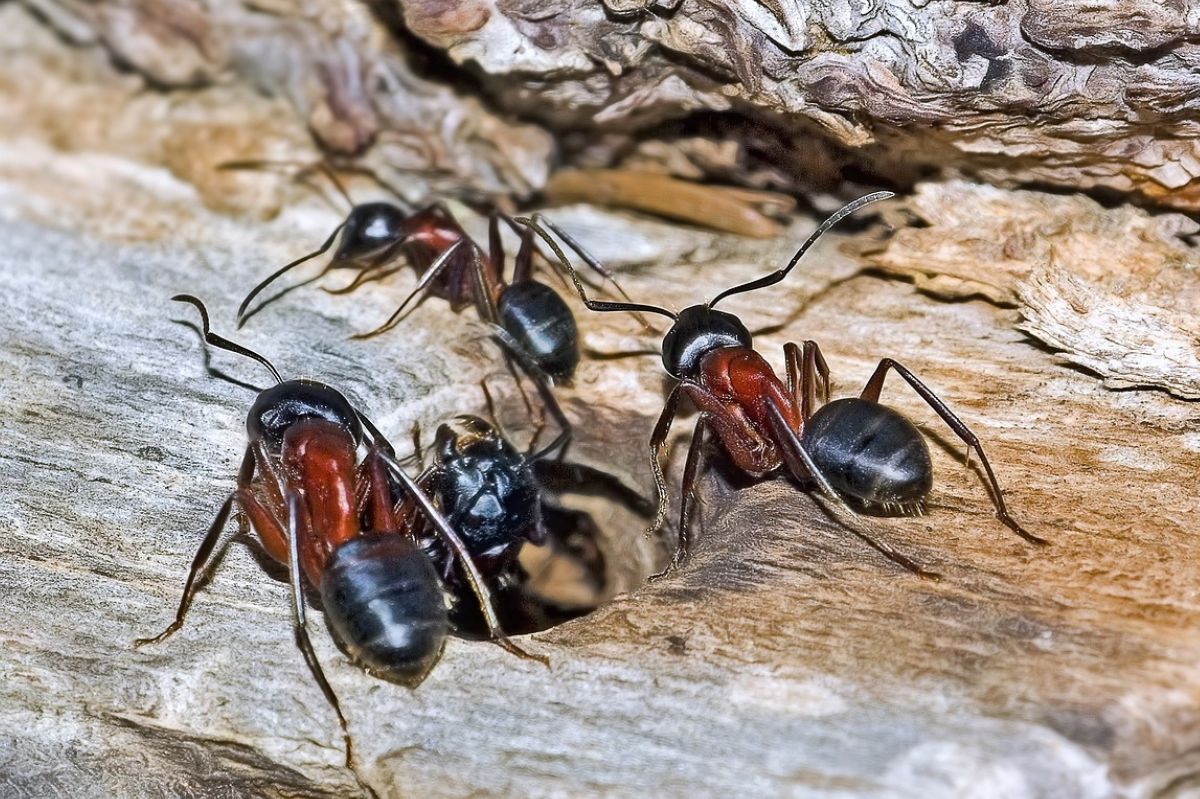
302	170
189	588
512	372
658	438
495	418
203	553
592	305
486	285
549	402
496	248
812	354
377	438
871	393
691	471
300	626
452	540
802	467
373	176
799	380
364	276
805	367
280	272
436	268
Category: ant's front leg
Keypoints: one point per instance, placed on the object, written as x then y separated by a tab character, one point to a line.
202	559
687	495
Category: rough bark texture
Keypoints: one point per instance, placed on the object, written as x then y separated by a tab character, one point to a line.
1116	290
1080	94
786	658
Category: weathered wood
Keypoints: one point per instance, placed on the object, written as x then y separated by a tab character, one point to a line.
1115	290
1079	94
787	658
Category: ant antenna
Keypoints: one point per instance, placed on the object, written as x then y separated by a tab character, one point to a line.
325	167
780	274
535	223
221	342
281	271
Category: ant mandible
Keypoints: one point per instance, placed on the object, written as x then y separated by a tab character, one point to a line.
852	449
334	522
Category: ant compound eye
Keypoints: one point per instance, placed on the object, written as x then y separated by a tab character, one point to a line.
369	228
281	406
698	331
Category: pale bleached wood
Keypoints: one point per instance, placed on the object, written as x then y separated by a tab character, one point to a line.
786	659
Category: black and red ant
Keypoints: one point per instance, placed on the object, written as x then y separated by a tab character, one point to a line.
855	449
528	318
335	521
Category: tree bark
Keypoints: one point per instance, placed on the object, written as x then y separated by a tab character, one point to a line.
786	657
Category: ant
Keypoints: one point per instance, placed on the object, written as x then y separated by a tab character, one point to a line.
853	449
494	496
528	318
374	235
333	520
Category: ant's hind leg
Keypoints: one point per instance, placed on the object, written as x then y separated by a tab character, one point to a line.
514	354
300	626
871	393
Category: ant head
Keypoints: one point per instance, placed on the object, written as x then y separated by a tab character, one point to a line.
282	405
369	229
698	331
468	435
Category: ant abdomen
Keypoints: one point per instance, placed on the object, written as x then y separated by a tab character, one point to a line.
538	319
871	453
385	604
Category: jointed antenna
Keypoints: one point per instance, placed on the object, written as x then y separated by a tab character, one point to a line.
778	275
593	305
221	342
281	271
326	168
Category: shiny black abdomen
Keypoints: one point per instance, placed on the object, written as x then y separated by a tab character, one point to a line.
490	496
282	405
385	604
543	325
870	453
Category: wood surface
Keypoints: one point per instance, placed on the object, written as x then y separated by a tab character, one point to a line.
786	659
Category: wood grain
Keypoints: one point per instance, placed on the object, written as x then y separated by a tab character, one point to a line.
786	659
